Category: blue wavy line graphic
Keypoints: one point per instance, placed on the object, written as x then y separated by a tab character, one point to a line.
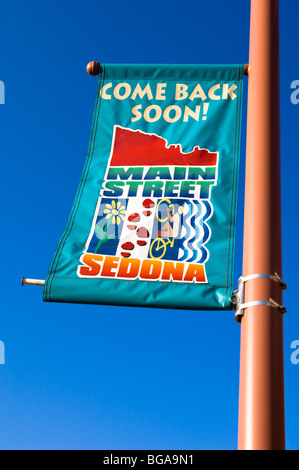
196	233
186	232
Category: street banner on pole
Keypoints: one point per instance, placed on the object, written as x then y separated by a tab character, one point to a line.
153	221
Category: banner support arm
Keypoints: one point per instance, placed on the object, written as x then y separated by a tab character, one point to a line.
32	282
93	68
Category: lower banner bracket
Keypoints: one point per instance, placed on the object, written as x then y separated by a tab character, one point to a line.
237	298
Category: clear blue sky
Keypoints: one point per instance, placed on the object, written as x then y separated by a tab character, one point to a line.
93	377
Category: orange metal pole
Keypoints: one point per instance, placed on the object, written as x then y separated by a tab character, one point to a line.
261	396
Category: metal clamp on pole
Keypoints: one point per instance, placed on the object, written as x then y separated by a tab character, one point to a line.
237	298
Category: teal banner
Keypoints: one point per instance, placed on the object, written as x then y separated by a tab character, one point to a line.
153	221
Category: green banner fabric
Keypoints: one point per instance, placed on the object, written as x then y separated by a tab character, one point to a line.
153	221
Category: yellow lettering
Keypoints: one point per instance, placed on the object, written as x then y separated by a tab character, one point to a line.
198	93
176	116
103	93
136	113
211	93
157	115
181	91
141	93
117	89
160	91
229	91
194	114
